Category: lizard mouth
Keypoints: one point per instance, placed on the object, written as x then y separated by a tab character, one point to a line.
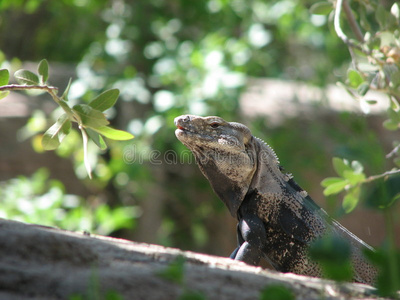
188	134
183	129
181	132
184	133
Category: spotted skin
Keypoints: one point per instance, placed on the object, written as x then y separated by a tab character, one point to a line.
277	220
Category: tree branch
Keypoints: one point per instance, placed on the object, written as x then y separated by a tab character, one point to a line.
388	173
393	152
338	28
17	87
352	22
49	89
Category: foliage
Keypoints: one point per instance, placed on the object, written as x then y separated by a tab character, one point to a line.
51	32
388	261
175	270
41	200
375	66
174	273
333	254
94	290
90	118
351	177
276	292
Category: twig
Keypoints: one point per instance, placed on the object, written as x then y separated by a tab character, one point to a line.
338	28
17	87
393	152
388	173
49	89
352	22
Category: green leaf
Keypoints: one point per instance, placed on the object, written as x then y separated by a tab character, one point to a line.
393	115
321	8
333	254
391	125
345	87
354	177
388	262
105	100
4	94
341	165
371	102
85	152
26	77
330	180
56	133
90	117
192	295
276	292
4	77
174	272
364	22
330	248
375	42
65	94
363	88
383	193
381	16
350	201
97	139
397	161
43	70
354	78
114	134
335	188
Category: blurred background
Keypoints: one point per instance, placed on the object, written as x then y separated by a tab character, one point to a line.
271	65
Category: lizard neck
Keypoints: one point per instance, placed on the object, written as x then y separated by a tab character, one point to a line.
268	177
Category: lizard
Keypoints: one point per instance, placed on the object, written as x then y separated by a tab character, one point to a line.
277	219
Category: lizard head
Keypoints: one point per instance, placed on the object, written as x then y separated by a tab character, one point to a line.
221	151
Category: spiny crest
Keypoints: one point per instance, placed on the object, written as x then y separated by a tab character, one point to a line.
269	149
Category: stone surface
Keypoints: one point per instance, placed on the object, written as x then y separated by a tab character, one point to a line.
39	262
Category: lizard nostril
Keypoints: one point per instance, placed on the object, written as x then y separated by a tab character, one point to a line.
181	120
186	118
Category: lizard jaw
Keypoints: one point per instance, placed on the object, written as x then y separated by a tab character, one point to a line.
182	131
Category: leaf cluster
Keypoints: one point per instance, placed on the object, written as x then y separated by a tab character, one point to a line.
351	177
49	205
375	53
333	253
276	292
174	273
388	262
373	40
90	118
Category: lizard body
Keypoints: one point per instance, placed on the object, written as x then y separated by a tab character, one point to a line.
277	220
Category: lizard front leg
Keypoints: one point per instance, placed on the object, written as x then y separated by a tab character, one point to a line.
251	238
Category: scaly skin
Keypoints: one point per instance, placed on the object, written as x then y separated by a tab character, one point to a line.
277	219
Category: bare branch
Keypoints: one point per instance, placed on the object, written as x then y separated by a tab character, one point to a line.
393	152
388	173
17	87
352	22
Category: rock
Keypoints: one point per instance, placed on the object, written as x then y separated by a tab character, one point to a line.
38	262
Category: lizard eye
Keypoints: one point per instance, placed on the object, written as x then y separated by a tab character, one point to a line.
214	124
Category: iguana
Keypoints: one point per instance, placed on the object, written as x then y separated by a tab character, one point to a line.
277	220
